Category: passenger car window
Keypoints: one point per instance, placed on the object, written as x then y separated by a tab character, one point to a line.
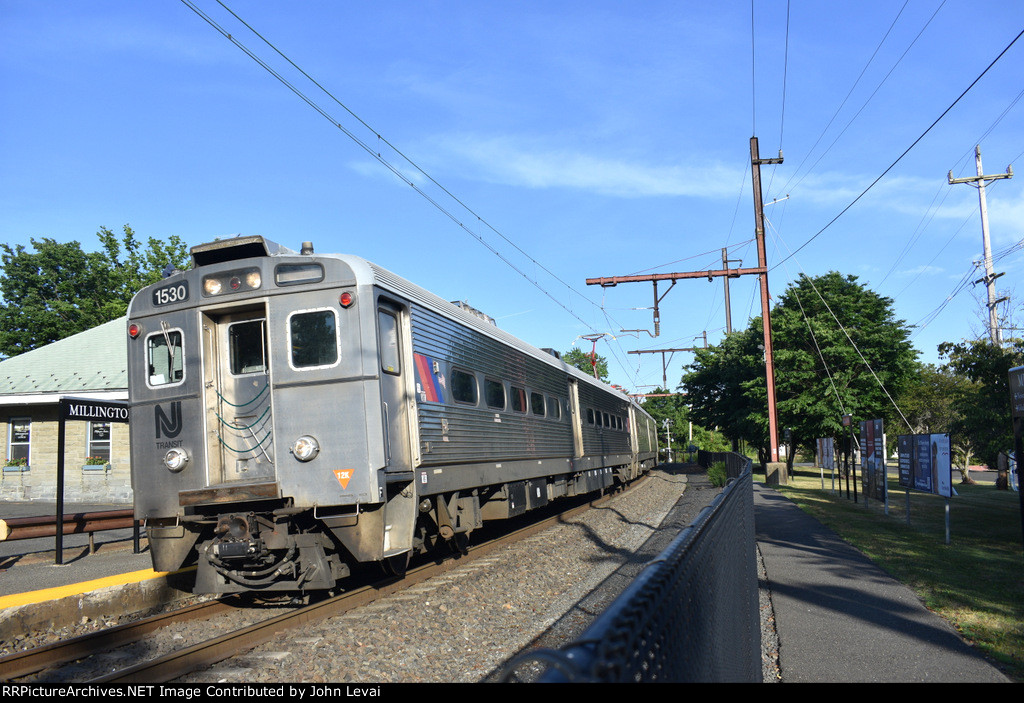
314	338
518	399
464	387
165	358
537	404
554	409
494	394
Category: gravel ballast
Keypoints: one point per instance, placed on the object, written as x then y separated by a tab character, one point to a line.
463	626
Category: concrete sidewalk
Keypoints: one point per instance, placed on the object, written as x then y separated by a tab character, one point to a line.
842	619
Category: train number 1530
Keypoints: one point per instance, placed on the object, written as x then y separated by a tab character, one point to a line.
167	295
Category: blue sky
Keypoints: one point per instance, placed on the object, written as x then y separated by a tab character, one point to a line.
576	140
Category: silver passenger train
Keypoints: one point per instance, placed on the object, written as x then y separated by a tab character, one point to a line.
294	414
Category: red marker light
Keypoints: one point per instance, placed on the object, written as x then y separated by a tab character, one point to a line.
345	299
133	330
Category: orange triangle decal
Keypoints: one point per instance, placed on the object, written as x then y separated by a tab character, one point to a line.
343	476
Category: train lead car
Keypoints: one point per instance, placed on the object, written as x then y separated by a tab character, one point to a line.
294	414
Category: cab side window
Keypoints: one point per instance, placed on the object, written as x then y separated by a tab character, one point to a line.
390	355
165	358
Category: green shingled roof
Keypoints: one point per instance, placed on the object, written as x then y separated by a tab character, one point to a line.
94	360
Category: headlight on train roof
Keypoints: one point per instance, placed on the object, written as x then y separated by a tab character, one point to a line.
305	448
236	281
176	459
211	285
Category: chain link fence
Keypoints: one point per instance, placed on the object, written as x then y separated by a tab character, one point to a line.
735	463
690	616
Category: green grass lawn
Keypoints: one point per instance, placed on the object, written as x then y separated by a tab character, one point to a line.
976	582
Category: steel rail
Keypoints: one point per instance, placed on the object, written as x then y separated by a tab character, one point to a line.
187	660
32	661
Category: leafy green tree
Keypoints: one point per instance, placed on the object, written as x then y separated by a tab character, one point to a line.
59	290
820	374
928	400
583	361
132	267
674	409
983	404
725	388
839	349
929	405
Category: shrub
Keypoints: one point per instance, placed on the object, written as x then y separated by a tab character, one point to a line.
717	474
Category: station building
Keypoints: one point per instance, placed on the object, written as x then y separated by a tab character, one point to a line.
93	365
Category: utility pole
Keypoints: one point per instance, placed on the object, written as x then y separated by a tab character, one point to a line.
990	278
762	263
728	306
761	271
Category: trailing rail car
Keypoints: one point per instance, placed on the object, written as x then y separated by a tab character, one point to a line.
294	414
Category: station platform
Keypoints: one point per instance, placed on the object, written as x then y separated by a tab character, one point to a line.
36	591
839	618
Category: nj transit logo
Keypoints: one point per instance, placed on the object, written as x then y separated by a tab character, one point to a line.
168	426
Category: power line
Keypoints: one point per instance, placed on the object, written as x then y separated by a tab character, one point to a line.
376	155
905	152
845	332
848	94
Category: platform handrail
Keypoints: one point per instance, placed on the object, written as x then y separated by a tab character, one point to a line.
71	524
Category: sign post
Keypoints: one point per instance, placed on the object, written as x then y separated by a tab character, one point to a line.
851	467
80	409
925	465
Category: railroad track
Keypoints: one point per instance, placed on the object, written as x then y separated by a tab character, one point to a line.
178	663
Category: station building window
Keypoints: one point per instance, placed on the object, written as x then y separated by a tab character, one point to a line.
98	441
19	440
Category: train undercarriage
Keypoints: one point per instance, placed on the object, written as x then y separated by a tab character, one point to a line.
270	546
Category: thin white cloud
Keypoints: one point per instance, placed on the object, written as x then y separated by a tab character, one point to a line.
512	163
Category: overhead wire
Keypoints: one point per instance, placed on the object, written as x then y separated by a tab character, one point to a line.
961	286
905	152
377	156
842	104
842	328
962	163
